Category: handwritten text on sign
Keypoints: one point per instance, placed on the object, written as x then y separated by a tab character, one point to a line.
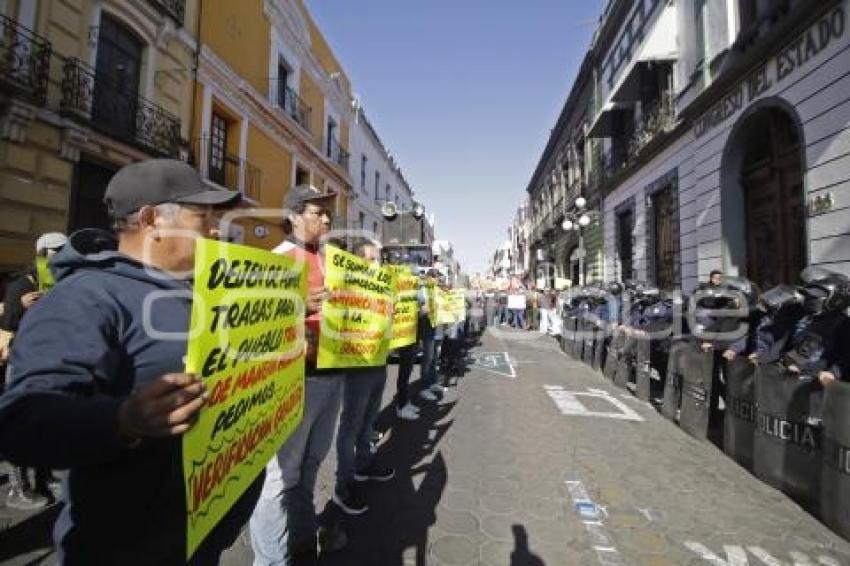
356	316
248	346
406	311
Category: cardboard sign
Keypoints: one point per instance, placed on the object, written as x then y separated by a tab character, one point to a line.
444	306
516	301
247	344
357	315
406	308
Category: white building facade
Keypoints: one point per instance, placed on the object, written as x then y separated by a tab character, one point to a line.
376	178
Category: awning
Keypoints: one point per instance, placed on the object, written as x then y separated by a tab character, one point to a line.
659	47
603	124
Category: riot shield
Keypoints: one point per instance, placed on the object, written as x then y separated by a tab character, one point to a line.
626	364
612	356
697	370
578	342
643	370
568	334
739	420
787	446
602	340
835	473
589	342
673	381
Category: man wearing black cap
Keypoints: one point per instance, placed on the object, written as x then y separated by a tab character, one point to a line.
98	386
283	527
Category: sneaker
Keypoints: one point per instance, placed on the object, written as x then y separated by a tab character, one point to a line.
24	501
332	538
437	388
375	473
428	395
350	500
407	413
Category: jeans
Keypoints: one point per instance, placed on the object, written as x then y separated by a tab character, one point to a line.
428	367
285	515
407	357
362	391
518	318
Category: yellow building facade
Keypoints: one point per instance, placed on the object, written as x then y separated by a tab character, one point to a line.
271	110
86	86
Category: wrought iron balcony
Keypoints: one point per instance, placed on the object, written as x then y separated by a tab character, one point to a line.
292	104
24	62
656	118
225	169
117	110
336	153
175	9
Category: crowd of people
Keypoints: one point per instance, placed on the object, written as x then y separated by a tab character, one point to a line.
91	394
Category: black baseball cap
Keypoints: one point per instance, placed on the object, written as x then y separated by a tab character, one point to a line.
302	194
158	181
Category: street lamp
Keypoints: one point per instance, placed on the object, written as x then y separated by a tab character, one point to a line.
576	219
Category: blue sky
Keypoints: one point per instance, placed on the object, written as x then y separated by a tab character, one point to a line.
464	94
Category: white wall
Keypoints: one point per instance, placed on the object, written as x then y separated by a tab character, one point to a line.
362	143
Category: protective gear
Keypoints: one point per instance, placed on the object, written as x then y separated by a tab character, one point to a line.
779	298
614	288
829	293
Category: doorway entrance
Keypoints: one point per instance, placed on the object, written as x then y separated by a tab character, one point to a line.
762	201
117	75
772	181
86	208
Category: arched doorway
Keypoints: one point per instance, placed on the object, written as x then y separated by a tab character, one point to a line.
763	208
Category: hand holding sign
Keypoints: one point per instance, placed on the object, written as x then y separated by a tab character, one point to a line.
29	299
168	406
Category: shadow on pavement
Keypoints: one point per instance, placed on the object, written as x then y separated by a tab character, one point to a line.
521	555
30	535
395	529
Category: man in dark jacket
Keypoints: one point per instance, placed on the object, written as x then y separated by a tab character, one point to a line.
98	386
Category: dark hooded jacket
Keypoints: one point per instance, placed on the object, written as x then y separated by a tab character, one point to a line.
78	353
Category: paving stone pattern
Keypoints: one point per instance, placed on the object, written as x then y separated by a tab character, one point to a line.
481	479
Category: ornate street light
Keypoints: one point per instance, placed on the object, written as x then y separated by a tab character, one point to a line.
576	219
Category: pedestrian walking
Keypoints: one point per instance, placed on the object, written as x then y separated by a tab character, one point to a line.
362	391
284	529
92	390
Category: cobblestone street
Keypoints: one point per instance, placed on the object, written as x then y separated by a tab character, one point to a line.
496	474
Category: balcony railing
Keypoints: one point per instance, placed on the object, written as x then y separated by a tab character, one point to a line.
24	62
175	9
117	110
292	104
656	118
225	169
335	152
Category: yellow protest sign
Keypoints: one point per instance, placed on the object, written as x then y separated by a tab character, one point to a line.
458	304
406	312
445	307
247	344
356	316
431	301
45	277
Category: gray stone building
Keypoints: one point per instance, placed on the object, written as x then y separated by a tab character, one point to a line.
717	138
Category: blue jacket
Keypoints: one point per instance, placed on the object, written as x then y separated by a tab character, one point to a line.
79	352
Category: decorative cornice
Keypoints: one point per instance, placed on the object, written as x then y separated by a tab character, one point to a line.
15	118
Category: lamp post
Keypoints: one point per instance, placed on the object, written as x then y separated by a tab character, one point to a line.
577	219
